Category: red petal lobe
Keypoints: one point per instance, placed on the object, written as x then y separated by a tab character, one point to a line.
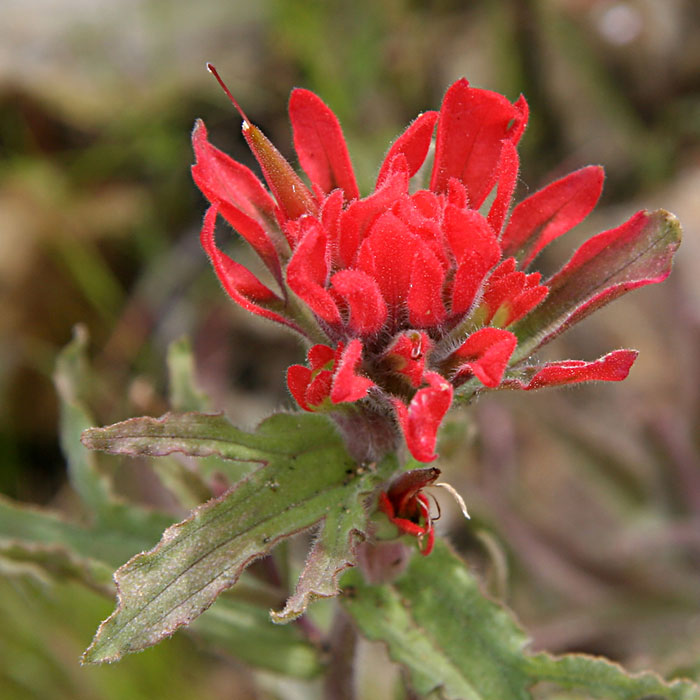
425	306
307	272
413	144
485	353
613	367
508	167
240	284
319	143
637	253
551	212
222	178
298	380
421	419
368	310
471	127
387	255
347	385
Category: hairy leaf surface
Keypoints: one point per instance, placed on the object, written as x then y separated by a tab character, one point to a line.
305	477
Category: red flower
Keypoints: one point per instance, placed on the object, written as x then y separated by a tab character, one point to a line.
412	295
408	508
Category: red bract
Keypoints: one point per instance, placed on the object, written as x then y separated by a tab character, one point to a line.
412	295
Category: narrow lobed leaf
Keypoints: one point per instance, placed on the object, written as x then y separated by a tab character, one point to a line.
306	475
604	679
332	552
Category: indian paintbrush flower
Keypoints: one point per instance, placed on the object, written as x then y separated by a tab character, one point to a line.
419	293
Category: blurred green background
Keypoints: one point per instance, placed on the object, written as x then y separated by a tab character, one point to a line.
586	503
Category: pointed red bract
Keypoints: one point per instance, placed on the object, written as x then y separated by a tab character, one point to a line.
614	262
241	199
387	255
298	380
319	143
413	144
307	272
508	165
424	299
551	212
516	129
240	284
467	230
223	179
613	367
357	219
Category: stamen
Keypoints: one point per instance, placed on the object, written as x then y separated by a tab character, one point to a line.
437	505
460	501
215	73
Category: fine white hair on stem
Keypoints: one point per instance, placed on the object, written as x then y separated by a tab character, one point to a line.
455	494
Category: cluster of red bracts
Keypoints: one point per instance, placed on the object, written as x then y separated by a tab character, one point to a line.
408	294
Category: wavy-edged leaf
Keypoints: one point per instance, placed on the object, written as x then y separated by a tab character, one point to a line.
49	562
193	434
601	678
608	265
332	553
306	473
450	638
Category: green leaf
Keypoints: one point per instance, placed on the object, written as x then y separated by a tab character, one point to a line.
306	476
601	678
48	563
194	434
70	376
606	266
332	553
450	638
131	530
440	627
185	395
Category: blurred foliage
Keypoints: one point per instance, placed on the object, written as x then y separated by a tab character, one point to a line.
587	502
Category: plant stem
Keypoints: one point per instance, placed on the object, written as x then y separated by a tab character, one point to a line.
339	683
